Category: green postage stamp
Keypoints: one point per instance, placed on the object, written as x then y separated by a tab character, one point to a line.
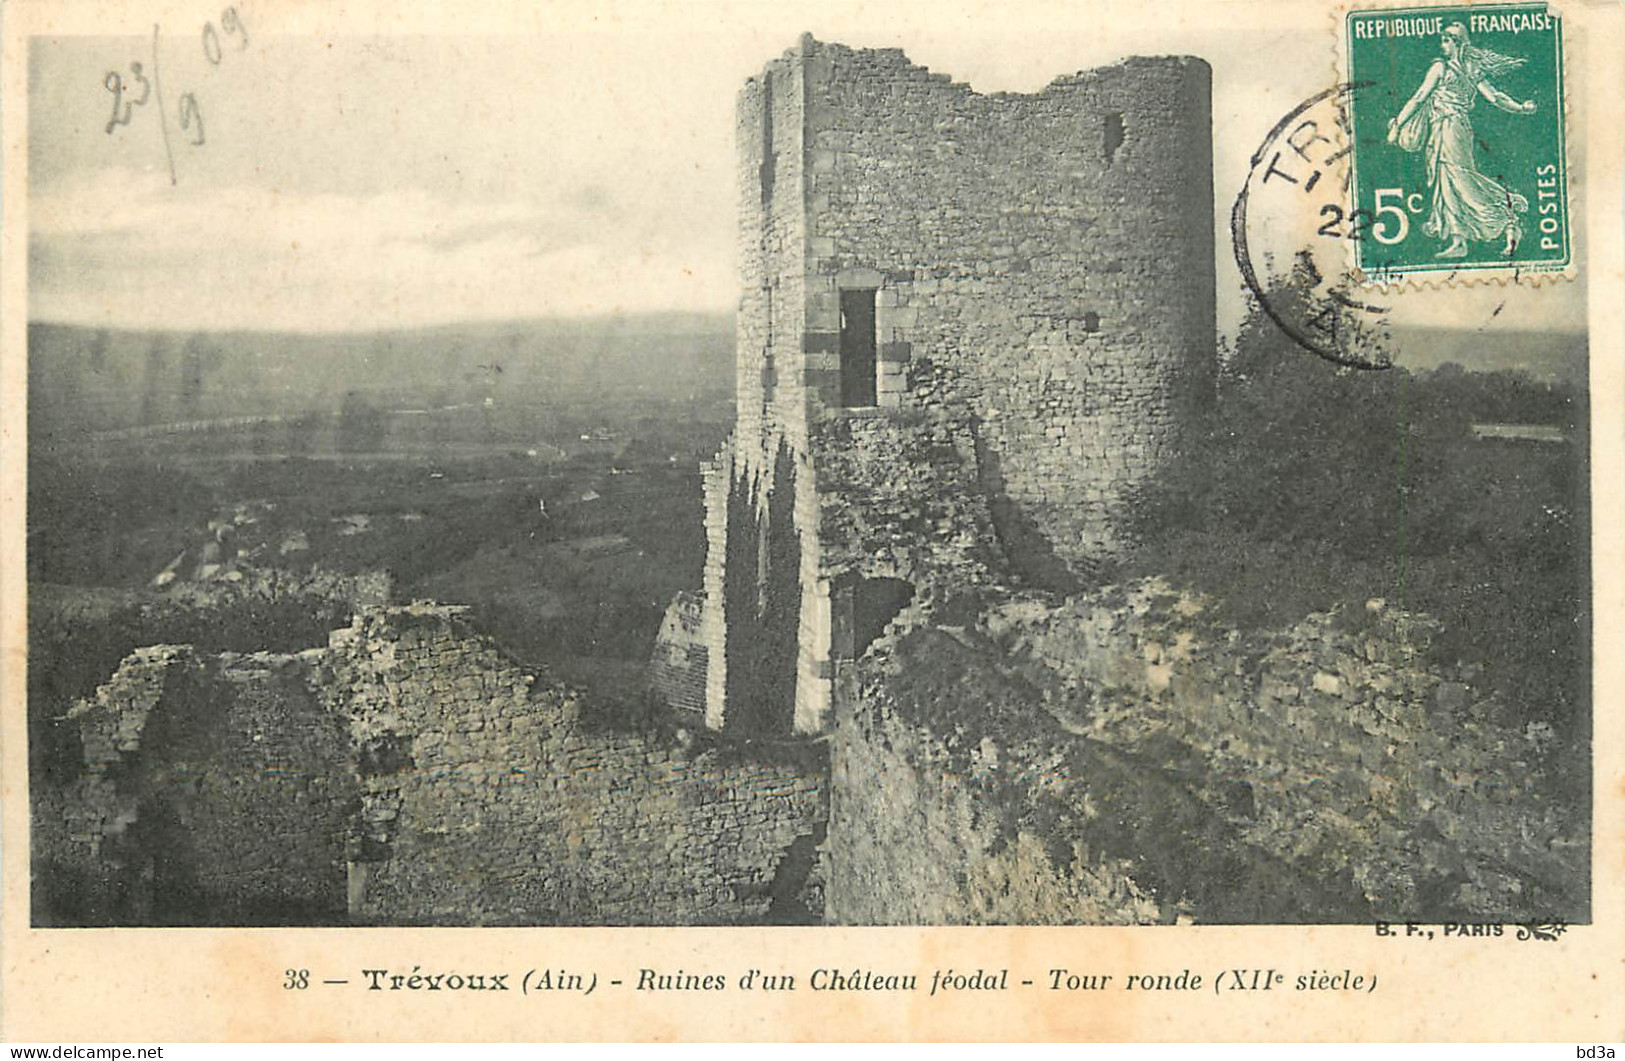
1458	160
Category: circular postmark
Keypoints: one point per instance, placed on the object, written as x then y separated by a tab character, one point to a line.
1291	228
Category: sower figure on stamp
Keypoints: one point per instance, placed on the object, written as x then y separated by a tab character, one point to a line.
1465	203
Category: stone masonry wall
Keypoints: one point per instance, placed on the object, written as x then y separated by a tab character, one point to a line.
677	668
1335	745
758	598
1121	757
1042	261
210	784
771	155
502	803
767	455
1041	268
899	497
407	773
925	829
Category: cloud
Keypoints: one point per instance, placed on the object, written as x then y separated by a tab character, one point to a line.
126	248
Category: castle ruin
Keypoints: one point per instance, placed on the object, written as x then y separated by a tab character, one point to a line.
969	326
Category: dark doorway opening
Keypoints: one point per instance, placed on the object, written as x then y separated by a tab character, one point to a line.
858	347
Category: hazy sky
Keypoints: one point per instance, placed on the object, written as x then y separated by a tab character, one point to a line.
571	161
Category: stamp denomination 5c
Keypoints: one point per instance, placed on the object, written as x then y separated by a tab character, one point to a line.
1459	164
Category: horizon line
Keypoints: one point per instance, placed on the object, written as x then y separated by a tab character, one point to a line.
587	317
449	323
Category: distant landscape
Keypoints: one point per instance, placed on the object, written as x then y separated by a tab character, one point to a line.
249	492
1546	357
86	380
546	473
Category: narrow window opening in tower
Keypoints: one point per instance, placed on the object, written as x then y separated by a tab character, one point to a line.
1114	135
858	348
769	160
1091	321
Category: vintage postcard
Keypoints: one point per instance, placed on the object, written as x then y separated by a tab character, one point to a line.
777	521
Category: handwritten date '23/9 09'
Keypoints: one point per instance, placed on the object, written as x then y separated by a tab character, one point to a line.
134	89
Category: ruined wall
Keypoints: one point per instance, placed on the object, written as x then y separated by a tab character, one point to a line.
899	496
409	774
927	814
762	589
756	601
677	668
1337	745
770	139
1121	756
